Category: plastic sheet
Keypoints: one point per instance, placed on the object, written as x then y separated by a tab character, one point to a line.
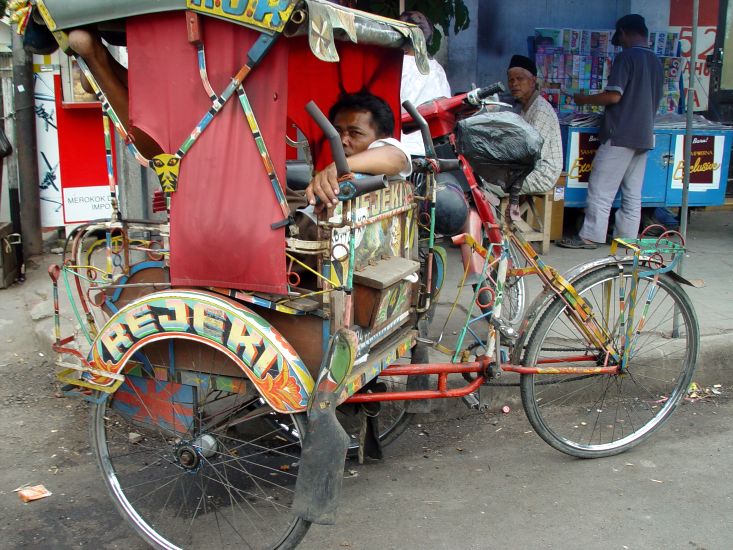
500	147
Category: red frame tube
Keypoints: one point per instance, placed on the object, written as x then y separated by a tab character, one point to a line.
417	394
478	367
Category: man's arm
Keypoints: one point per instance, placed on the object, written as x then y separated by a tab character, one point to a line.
608	97
387	160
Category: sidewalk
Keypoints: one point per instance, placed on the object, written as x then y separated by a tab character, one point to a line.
710	240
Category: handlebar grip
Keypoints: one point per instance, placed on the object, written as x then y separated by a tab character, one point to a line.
422	166
446	165
361	186
337	149
496	88
424	128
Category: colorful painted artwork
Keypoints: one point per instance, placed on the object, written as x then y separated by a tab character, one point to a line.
155	403
379	220
257	348
263	14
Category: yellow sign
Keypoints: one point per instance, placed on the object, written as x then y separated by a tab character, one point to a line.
264	14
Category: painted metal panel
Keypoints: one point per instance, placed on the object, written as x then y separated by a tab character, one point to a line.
581	144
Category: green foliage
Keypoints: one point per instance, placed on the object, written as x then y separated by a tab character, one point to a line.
440	12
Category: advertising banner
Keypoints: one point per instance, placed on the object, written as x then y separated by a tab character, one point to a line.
705	165
47	143
582	147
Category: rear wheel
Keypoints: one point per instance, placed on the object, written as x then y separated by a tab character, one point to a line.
183	463
591	416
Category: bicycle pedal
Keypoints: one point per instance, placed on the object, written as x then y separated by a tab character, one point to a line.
471	401
484	398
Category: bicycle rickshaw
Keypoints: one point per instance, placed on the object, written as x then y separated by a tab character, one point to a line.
225	392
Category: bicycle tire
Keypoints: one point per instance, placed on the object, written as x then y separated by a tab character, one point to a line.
590	416
203	482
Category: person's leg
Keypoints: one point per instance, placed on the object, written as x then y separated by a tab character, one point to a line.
101	64
629	215
609	166
112	79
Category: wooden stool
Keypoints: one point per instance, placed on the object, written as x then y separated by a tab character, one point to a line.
536	216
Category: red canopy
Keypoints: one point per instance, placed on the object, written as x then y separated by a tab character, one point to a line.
224	206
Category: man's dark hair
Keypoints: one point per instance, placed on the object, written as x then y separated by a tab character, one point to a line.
631	23
381	112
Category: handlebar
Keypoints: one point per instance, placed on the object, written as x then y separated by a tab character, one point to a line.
361	184
442	113
424	128
420	166
495	88
337	150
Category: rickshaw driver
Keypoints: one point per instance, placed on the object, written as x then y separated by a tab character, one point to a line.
365	123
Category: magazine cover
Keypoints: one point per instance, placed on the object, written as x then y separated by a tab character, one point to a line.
548	39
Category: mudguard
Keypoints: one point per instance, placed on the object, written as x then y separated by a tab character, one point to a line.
325	442
257	348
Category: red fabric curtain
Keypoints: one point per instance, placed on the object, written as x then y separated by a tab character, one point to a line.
361	68
224	205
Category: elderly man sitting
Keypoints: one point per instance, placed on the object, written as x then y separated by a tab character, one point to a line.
532	107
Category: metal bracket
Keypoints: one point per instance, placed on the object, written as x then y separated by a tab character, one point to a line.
11	240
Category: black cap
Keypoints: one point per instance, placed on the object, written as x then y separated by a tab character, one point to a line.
523	62
632	22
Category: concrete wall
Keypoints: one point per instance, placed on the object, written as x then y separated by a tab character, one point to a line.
499	29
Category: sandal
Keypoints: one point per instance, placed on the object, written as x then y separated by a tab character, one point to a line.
576	242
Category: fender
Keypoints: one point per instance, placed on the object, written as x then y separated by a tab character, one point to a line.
542	300
256	347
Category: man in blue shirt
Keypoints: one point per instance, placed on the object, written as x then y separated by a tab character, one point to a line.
631	99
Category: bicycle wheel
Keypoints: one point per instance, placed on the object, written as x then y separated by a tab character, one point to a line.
514	291
590	416
183	464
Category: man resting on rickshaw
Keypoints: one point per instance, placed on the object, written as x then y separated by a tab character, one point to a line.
365	124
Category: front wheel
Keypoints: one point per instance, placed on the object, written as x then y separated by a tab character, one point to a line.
185	465
591	416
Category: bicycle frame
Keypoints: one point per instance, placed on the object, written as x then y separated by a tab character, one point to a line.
614	356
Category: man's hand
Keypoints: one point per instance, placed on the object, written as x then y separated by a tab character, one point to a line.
607	97
580	98
325	186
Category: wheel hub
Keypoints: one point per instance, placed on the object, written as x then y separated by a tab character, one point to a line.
187	457
189	454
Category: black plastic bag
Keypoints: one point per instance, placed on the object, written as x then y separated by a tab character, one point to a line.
501	147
